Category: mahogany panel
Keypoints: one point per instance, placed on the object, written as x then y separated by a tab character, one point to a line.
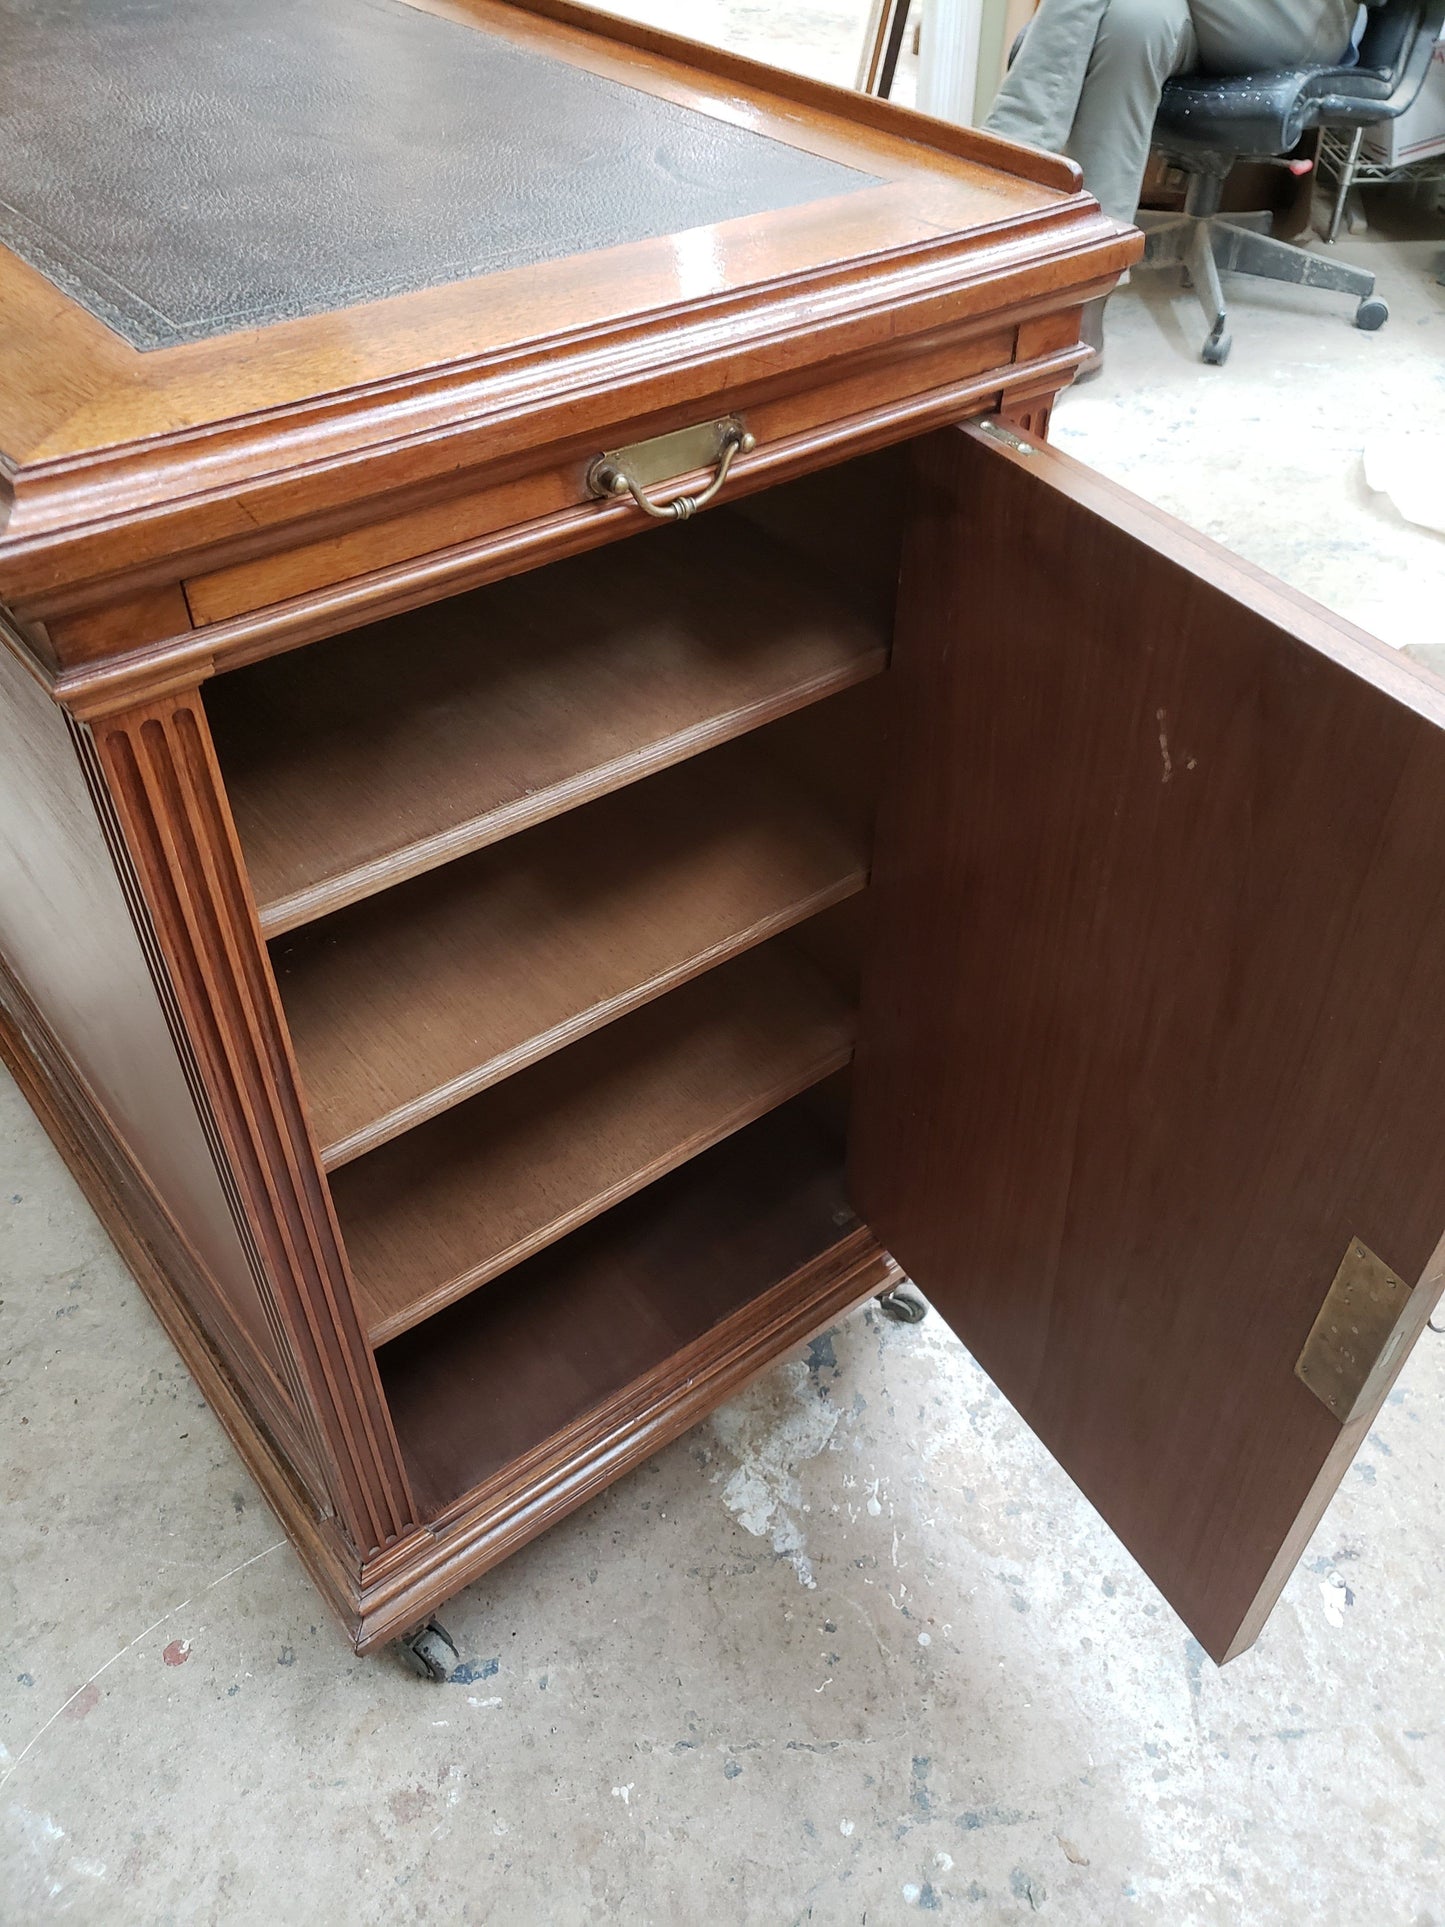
461	1199
164	1262
1152	1029
120	626
489	1522
357	763
163	789
493	1377
845	523
68	935
403	1005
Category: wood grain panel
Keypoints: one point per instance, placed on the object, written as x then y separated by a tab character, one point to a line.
461	1199
347	775
163	785
405	1004
68	935
492	1378
1155	1027
154	1246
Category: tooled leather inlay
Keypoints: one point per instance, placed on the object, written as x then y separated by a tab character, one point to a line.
187	168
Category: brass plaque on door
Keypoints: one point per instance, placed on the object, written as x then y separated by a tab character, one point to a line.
1356	1339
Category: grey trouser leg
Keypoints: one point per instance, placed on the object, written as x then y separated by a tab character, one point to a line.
1039	95
1088	77
1140	43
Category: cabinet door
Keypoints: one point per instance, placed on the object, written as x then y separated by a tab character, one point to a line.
1153	1042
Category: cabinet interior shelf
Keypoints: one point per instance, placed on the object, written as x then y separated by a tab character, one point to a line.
496	1376
356	763
454	1203
404	1005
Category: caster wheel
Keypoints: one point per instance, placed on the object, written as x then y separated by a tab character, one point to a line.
1216	350
1372	313
903	1307
428	1652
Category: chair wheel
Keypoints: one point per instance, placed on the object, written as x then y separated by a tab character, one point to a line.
1216	350
1372	313
428	1652
903	1307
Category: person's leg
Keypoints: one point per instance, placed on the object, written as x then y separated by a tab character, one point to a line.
1140	43
1039	95
1248	36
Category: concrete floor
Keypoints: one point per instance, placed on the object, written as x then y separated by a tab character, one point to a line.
852	1652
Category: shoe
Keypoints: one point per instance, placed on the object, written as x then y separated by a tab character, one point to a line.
1091	333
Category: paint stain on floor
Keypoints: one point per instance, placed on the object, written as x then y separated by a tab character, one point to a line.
771	1430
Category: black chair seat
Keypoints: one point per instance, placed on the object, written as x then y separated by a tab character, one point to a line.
1265	113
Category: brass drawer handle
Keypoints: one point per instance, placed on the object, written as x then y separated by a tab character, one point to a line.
629	471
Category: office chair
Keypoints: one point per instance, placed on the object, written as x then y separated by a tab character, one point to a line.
1208	121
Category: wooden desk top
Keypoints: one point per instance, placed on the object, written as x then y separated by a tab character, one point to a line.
189	171
775	221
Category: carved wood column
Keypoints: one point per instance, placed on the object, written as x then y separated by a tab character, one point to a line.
1029	409
159	769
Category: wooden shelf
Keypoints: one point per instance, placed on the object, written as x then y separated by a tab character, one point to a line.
356	763
402	1006
454	1203
496	1376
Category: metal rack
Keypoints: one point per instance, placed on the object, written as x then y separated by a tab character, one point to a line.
1342	160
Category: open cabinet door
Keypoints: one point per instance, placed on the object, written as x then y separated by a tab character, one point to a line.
1150	1093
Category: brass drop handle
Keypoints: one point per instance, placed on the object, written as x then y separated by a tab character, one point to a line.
613	475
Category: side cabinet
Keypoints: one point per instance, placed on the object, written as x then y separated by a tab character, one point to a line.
581	1020
569	807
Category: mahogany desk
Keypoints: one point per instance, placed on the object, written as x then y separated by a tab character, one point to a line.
507	966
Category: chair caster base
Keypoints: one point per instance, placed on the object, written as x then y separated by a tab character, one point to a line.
1216	349
1372	313
902	1305
428	1651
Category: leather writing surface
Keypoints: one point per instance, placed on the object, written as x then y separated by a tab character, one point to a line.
186	168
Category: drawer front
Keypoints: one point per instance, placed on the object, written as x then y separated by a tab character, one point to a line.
436	548
878	399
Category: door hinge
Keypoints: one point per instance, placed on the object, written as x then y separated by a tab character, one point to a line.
997	432
1356	1339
